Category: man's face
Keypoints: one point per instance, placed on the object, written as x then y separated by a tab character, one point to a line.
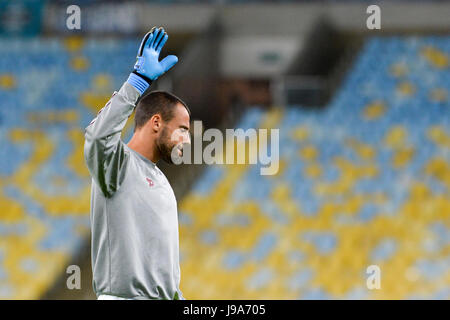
174	134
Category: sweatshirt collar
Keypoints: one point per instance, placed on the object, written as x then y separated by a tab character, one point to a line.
148	161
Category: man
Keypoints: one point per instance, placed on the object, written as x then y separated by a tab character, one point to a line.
134	219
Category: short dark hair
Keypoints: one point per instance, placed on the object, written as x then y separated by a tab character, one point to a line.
155	102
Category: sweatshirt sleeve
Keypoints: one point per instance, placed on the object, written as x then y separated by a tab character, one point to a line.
105	153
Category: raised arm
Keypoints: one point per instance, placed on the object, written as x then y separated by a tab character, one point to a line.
104	151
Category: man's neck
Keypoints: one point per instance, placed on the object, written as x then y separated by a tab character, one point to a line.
145	148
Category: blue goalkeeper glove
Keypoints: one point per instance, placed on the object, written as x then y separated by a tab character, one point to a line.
147	67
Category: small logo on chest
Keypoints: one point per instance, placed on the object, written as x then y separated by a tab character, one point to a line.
150	182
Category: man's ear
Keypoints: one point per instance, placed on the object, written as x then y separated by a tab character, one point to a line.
155	122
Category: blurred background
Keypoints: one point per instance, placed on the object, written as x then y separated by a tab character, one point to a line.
364	162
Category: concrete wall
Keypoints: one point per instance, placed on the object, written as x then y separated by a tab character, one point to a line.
256	40
257	19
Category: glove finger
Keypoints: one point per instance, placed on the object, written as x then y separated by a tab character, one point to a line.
162	42
168	62
150	38
147	38
155	34
158	38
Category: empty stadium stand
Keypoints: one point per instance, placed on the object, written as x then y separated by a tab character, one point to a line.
363	182
50	91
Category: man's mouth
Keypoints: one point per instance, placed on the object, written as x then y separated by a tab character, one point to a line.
180	151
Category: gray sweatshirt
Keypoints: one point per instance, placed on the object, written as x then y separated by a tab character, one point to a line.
134	221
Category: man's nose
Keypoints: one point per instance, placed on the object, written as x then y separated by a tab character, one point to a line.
187	138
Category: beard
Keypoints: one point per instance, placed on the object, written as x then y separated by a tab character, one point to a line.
165	146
